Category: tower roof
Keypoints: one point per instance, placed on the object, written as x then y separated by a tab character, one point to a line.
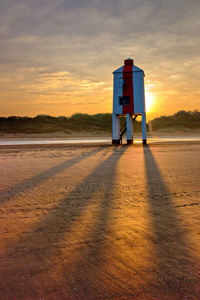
135	69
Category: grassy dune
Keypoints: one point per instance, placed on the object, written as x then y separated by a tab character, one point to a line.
99	123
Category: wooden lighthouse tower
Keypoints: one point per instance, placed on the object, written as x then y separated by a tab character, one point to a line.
128	100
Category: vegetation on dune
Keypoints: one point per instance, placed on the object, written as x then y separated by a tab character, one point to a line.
49	124
92	123
182	120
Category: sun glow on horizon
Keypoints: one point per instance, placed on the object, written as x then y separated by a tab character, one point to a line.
149	101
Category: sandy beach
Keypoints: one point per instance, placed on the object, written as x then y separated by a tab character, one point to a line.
100	222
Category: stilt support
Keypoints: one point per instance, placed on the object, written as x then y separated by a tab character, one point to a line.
129	125
144	137
115	129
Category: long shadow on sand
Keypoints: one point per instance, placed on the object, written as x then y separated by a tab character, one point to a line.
33	181
89	275
173	264
42	249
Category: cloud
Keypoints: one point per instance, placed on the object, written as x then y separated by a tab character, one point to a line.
89	39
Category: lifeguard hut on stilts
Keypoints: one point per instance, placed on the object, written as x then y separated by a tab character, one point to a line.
128	100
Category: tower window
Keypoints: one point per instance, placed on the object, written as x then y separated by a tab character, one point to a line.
124	100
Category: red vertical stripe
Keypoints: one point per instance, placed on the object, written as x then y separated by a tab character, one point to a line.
128	87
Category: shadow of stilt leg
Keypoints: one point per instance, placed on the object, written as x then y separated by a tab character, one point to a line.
31	182
89	270
42	249
172	261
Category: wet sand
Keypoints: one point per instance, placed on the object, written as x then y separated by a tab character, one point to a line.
100	222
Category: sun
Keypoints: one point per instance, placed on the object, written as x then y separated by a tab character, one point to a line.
149	101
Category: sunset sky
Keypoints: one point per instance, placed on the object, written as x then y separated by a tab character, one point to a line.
57	56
